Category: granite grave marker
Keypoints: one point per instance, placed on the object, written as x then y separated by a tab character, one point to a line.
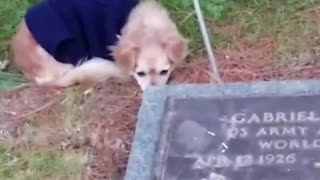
256	138
237	131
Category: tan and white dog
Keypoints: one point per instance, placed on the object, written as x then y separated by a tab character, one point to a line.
149	48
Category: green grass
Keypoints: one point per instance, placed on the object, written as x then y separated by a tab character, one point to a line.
255	19
39	165
11	12
183	14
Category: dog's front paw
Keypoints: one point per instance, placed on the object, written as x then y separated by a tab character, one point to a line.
43	81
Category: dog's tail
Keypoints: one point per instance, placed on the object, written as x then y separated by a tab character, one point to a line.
94	70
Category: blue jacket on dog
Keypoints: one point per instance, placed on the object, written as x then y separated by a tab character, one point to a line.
71	30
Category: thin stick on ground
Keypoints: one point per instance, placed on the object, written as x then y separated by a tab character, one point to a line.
38	109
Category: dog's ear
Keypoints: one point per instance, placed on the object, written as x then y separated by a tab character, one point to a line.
176	48
125	53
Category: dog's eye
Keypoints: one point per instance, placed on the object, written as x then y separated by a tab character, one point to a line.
164	72
141	74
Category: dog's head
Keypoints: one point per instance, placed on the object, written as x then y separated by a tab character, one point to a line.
150	64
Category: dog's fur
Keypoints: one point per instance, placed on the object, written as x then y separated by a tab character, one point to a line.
36	64
150	46
150	43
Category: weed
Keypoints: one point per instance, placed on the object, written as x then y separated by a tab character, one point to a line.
33	164
8	80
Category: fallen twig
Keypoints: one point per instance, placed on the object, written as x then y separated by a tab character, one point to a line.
38	109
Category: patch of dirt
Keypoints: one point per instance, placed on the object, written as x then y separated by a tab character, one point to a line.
102	121
246	62
260	62
18	105
111	118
